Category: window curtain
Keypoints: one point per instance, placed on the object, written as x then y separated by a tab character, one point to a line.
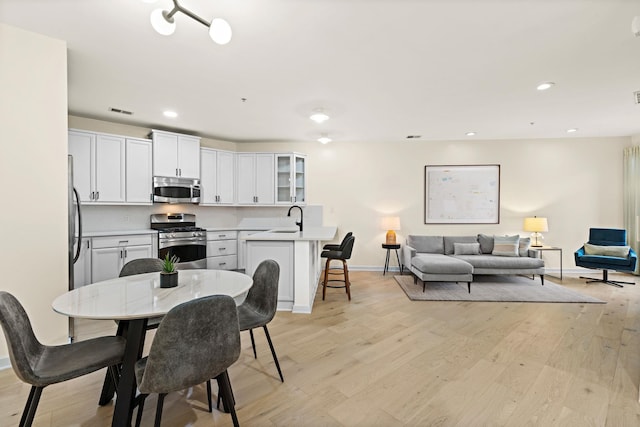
631	189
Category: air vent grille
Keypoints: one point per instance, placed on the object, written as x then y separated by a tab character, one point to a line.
413	136
636	96
120	111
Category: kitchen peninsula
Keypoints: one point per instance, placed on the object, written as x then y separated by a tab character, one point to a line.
298	254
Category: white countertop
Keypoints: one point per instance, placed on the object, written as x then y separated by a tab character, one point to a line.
292	234
117	232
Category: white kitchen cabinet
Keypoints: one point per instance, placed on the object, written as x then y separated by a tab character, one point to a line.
217	177
175	155
222	249
99	166
82	267
139	173
283	253
242	246
290	178
110	254
255	179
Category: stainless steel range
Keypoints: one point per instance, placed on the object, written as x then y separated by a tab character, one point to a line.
179	236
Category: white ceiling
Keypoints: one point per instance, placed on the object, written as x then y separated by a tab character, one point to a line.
382	69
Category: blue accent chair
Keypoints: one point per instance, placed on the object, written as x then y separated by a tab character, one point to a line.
607	237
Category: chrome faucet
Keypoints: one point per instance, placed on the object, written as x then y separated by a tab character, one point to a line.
299	224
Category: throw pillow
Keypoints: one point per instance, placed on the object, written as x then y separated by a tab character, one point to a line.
486	243
466	248
614	251
506	245
524	245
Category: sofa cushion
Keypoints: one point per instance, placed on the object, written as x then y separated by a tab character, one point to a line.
426	244
524	245
486	243
466	248
450	240
506	245
441	264
501	262
611	251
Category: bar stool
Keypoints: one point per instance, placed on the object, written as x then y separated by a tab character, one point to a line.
334	247
342	254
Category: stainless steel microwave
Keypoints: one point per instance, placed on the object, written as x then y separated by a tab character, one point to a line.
175	190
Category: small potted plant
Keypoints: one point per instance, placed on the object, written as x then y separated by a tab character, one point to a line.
169	274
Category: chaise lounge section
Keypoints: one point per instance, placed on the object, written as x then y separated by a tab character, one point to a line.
458	258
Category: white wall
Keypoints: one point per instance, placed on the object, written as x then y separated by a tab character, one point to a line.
33	168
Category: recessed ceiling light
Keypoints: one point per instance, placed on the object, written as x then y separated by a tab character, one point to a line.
572	130
324	139
545	85
319	116
171	114
470	134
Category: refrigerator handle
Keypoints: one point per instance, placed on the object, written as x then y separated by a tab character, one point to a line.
77	255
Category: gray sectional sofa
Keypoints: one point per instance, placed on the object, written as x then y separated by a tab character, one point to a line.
458	258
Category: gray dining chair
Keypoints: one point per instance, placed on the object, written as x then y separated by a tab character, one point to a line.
258	309
196	341
141	266
41	365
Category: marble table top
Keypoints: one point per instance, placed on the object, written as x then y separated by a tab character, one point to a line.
140	296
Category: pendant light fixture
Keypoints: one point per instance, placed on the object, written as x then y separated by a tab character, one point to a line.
164	23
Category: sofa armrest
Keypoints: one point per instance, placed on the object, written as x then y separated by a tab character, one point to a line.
407	253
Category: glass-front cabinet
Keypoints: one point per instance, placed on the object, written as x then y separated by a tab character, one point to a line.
291	178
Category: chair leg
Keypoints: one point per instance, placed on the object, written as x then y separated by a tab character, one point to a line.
273	352
605	279
30	407
469	286
326	278
209	395
347	284
227	396
142	398
159	409
253	344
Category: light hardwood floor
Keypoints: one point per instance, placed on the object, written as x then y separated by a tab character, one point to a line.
382	360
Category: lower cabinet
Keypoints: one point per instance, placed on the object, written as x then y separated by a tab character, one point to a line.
282	253
222	250
110	254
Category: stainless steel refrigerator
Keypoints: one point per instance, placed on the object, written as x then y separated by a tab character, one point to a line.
75	231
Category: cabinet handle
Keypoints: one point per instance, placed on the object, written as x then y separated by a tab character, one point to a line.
180	172
97	195
87	244
151	197
177	172
222	249
92	195
121	257
222	263
125	253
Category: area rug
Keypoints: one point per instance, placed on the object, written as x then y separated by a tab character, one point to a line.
493	288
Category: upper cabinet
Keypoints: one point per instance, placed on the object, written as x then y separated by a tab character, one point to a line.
217	177
175	155
255	179
290	178
139	173
98	166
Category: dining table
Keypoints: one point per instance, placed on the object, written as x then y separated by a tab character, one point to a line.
132	301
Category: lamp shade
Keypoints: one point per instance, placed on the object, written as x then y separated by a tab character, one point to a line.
536	224
162	23
390	223
220	31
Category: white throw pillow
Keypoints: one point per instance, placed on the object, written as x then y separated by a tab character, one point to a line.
614	251
506	245
524	245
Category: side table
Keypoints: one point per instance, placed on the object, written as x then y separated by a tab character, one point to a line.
549	248
386	262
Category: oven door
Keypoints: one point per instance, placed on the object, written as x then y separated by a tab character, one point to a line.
191	253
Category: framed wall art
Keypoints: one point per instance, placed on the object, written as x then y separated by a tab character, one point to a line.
462	194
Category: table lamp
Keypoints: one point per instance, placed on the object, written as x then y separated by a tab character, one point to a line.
536	225
390	223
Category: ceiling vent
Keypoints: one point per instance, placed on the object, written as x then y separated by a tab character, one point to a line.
413	136
120	111
636	96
